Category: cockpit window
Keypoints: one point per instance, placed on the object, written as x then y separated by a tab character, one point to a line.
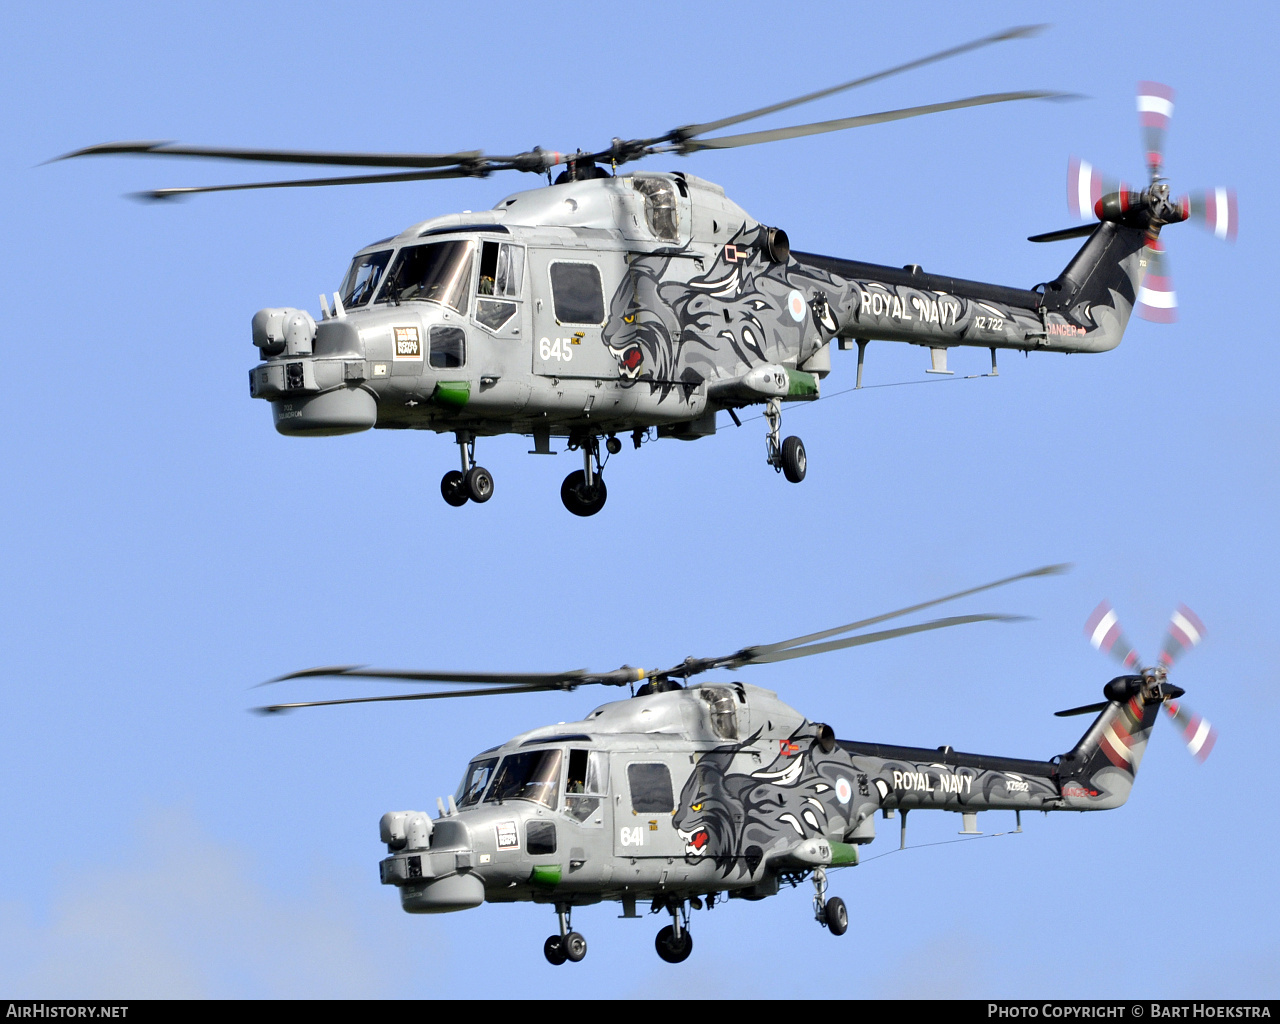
437	272
363	277
530	775
473	783
659	206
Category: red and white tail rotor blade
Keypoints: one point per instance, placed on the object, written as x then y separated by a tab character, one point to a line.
1215	210
1185	632
1103	631
1197	733
1155	109
1157	301
1086	185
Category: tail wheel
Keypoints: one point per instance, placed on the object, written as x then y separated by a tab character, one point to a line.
671	949
581	499
553	948
794	461
479	484
453	488
837	916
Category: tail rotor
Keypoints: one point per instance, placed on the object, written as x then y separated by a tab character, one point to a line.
1151	684
1093	194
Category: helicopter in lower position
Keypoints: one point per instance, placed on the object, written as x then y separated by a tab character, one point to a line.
687	794
643	304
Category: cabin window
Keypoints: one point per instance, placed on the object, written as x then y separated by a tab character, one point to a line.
473	783
660	209
363	277
586	784
530	775
650	786
448	347
501	275
577	293
540	838
436	272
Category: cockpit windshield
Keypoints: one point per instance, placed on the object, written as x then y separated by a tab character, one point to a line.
437	272
363	277
471	789
529	775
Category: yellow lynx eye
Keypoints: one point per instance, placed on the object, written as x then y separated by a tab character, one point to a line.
630	318
695	807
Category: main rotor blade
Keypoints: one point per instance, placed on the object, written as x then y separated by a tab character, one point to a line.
1044	570
276	156
871	638
490	692
409	675
359	179
1019	32
840	124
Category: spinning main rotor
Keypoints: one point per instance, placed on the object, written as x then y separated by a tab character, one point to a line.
475	164
489	683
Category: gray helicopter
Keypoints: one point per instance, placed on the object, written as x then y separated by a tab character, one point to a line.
687	794
643	304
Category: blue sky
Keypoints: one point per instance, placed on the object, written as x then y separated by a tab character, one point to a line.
165	549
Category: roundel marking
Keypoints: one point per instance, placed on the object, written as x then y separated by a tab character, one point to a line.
795	304
844	791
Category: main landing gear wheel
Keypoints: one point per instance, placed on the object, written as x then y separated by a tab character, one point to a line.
837	916
672	949
553	950
786	457
479	484
581	499
453	488
574	946
794	462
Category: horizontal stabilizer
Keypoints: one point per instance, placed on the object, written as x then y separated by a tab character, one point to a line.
1058	236
1088	709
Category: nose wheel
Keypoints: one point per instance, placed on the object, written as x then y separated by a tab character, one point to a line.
583	491
674	943
472	482
785	456
568	945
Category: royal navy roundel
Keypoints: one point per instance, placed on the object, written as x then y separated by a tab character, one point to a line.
795	304
844	791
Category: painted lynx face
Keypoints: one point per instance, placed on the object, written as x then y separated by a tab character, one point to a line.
704	818
641	331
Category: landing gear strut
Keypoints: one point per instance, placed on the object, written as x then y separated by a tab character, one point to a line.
831	914
583	491
674	943
473	483
787	457
568	945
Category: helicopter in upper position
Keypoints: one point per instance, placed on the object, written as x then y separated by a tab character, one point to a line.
688	793
608	304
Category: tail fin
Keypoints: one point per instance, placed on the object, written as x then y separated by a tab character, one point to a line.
1098	773
1099	287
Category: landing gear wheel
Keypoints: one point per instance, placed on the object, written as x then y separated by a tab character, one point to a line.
837	916
794	462
479	484
453	487
553	949
671	949
574	946
580	499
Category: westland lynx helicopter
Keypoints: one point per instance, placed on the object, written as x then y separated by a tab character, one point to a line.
688	793
608	304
